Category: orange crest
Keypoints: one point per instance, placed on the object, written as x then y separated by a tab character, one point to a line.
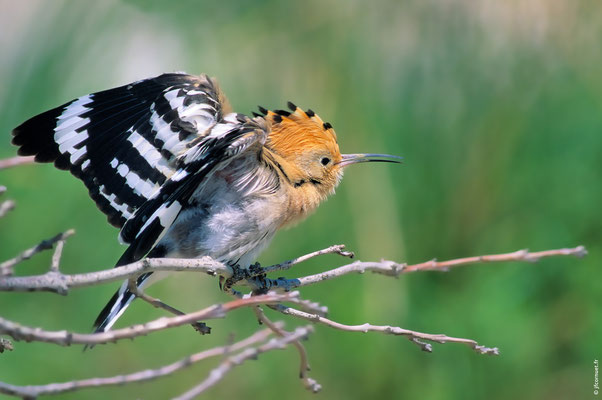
296	131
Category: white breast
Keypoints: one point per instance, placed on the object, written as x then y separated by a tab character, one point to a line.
234	217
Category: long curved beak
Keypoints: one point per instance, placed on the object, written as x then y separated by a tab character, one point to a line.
349	159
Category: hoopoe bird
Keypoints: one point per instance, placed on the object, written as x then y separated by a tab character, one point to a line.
182	175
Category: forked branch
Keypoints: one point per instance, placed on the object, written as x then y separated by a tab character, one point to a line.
248	346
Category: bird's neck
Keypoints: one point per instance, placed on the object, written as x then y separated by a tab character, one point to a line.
302	196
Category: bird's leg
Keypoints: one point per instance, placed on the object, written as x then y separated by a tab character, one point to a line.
238	274
263	284
200	327
257	278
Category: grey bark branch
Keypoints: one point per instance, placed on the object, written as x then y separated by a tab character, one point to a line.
309	383
392	268
33	391
65	338
60	283
227	365
7	267
415	337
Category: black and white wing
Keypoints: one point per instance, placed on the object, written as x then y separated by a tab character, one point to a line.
123	143
142	150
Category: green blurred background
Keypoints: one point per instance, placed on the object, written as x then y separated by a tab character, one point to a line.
496	107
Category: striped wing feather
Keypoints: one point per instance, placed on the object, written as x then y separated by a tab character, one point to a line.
123	142
151	221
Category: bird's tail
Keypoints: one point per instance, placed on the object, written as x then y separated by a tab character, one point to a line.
120	302
123	297
117	305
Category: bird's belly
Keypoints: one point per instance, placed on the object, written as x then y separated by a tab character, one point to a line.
233	233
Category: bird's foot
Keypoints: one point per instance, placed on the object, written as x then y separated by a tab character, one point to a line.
201	328
257	278
239	274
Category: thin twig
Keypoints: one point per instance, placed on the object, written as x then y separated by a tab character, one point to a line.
313	307
413	336
58	252
391	268
6	206
33	391
14	161
65	338
336	249
7	267
200	327
309	383
229	363
520	255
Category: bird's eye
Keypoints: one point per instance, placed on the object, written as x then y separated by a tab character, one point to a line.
325	160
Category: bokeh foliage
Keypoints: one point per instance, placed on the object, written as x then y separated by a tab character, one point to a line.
497	109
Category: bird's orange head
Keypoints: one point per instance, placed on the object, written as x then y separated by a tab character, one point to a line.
307	147
305	150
